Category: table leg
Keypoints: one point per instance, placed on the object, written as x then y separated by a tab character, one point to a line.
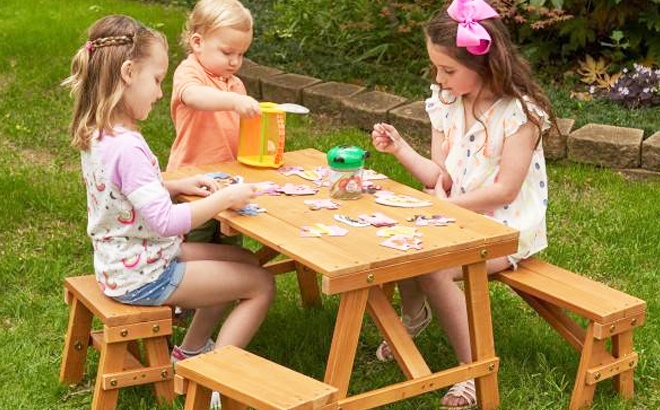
405	352
477	298
352	306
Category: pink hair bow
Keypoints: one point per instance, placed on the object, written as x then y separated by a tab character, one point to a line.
470	34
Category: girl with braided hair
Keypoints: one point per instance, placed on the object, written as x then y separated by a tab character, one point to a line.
487	117
135	228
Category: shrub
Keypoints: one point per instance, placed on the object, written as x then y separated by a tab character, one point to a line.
635	88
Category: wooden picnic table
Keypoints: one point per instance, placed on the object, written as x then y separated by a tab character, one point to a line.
356	267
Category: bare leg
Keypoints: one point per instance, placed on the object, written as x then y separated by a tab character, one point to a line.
216	277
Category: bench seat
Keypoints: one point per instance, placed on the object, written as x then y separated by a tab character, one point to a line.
245	379
609	313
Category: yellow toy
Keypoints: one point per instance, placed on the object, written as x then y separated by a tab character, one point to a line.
261	140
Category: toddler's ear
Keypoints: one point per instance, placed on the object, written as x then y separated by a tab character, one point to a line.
195	42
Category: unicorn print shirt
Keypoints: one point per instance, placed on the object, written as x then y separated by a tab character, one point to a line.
473	160
134	226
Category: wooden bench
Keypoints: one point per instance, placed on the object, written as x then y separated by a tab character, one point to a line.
120	364
244	379
609	314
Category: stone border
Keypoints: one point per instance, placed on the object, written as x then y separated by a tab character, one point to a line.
601	145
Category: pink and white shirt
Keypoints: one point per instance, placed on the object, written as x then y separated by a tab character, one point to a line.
136	229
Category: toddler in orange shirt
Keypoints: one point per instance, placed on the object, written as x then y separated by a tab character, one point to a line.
208	98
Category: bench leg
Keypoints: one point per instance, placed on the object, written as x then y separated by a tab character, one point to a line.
113	357
592	352
622	345
197	397
76	343
157	354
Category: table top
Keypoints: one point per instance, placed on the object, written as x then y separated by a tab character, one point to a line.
357	259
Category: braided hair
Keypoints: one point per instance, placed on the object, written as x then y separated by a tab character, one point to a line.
95	79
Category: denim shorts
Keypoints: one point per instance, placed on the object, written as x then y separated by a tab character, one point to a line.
157	292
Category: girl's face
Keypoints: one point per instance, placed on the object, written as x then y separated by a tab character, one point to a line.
452	75
143	80
221	51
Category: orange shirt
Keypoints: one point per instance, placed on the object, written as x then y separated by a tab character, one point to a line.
202	137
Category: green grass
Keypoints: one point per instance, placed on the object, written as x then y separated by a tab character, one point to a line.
599	224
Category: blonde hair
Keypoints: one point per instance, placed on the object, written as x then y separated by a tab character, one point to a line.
210	15
95	80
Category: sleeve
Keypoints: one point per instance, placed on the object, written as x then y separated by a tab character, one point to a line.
517	116
184	76
133	171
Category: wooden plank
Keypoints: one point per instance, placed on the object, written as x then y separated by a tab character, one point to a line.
560	287
585	284
110	312
253	380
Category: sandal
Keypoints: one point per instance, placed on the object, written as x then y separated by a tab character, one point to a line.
415	326
463	390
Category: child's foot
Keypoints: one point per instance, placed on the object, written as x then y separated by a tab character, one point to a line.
414	325
461	396
216	404
181	354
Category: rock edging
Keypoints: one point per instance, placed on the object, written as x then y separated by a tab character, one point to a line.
596	144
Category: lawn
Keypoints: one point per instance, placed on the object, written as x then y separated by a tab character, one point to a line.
600	223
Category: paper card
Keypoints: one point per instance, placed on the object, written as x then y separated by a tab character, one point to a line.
402	242
251	210
225	179
316	204
431	220
398	230
377	219
319	229
405	201
290	170
301	189
267	188
350	221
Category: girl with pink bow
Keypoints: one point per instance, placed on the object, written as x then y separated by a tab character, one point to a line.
487	116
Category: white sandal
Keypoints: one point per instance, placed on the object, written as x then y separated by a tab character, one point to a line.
415	326
463	390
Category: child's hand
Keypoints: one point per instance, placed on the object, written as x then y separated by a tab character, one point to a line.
199	185
386	138
247	106
238	195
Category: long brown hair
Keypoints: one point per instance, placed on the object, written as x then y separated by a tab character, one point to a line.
503	70
95	79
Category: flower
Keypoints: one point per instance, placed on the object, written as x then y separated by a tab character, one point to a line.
639	87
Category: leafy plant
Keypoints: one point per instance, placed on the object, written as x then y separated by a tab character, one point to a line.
595	73
637	88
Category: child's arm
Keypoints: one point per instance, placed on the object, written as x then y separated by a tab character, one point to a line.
438	155
386	138
204	98
215	200
514	164
231	197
